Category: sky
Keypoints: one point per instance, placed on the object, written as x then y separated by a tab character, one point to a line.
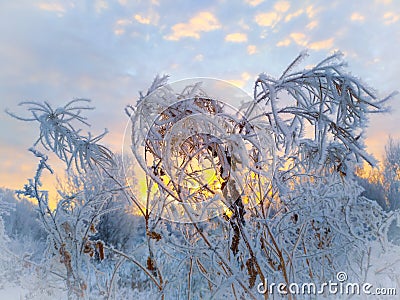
108	51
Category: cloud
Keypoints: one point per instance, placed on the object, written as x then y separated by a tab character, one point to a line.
123	22
100	5
244	78
119	31
120	26
236	37
311	11
312	25
299	38
284	43
141	19
357	17
252	49
254	2
202	22
151	18
390	17
324	44
282	6
294	15
269	19
53	7
199	57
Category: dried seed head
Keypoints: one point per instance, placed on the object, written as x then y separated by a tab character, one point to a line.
154	235
150	264
251	270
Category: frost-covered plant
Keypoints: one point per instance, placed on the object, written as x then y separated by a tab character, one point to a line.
58	134
283	213
235	197
71	226
391	174
5	259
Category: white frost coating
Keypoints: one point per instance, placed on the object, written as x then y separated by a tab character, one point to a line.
233	197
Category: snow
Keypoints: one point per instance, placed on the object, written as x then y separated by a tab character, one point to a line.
279	206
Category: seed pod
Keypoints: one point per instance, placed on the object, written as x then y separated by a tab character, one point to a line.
100	249
154	235
251	270
150	264
235	239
